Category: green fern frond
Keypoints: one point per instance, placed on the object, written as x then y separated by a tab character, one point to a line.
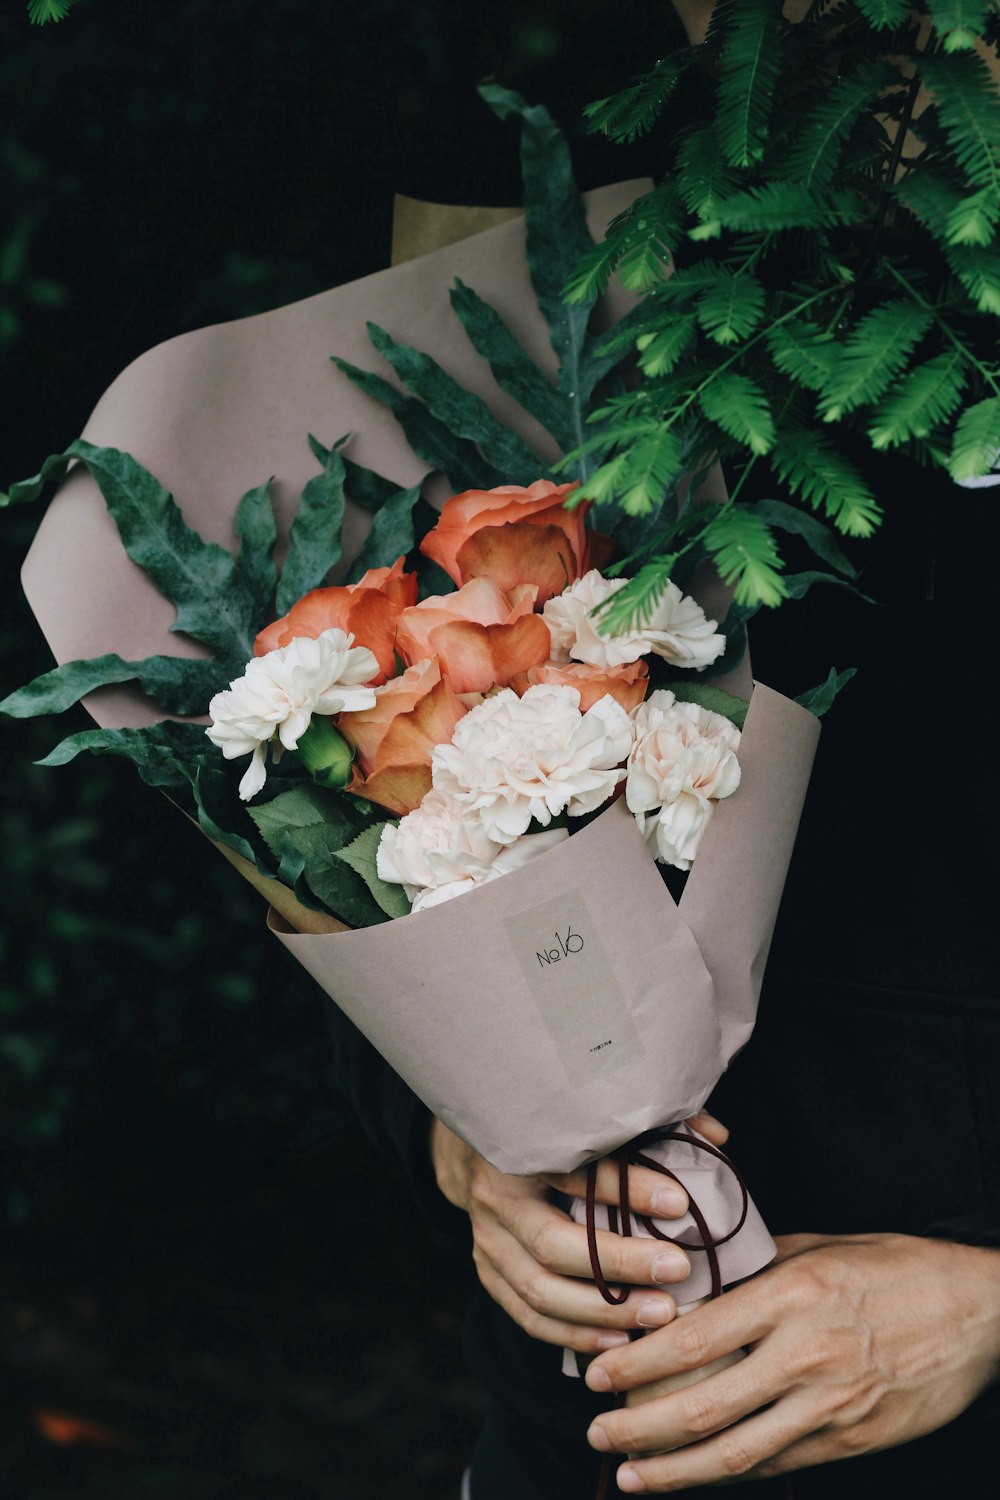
594	270
931	196
654	462
804	351
650	229
959	22
631	608
731	309
875	353
973	220
42	11
751	64
922	399
633	111
659	352
815	471
884	13
818	142
968	105
738	405
777	206
978	269
976	445
746	556
705	178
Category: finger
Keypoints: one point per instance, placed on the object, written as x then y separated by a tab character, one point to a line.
689	1415
744	1451
569	1299
584	1340
648	1192
707	1125
555	1242
730	1322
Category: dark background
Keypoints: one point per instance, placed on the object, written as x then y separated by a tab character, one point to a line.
181	1191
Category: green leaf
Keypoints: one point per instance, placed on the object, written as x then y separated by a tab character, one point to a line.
704	177
777	206
815	149
364	486
968	106
361	856
632	607
799	584
661	351
513	370
959	22
632	112
181	686
731	309
391	536
884	13
804	351
873	356
976	445
256	534
429	438
978	269
819	699
739	406
318	824
652	462
315	542
824	478
973	220
711	698
746	556
42	11
817	537
463	413
165	754
925	397
213	600
751	64
220	811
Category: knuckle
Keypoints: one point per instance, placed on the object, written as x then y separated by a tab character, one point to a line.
691	1342
533	1292
734	1455
803	1287
699	1412
856	1437
542	1244
481	1188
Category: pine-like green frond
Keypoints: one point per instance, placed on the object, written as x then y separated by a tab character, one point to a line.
804	351
659	352
654	461
976	446
814	152
632	607
632	112
652	227
704	177
978	269
789	205
594	270
746	556
818	473
922	399
751	64
973	220
876	352
959	22
739	406
41	11
884	13
731	309
968	105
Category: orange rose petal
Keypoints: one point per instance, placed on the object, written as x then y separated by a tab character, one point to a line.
466	653
627	685
519	646
366	728
465	513
411	737
520	553
398	788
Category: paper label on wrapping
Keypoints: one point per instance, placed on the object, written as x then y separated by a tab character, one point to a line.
574	987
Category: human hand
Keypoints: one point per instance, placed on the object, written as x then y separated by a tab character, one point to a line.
858	1342
533	1260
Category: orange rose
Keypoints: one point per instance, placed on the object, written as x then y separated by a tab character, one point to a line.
480	634
512	536
627	685
368	610
412	713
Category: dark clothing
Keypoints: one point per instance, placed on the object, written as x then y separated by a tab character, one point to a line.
879	1032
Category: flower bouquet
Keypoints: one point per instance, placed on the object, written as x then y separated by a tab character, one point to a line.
463	708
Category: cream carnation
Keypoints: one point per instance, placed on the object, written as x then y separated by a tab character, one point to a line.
677	630
279	693
515	759
683	761
438	844
509	857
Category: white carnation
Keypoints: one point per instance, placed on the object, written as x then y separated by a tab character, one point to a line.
278	694
683	761
512	760
677	630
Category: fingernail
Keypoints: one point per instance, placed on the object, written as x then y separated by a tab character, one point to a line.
630	1481
654	1313
598	1378
598	1438
672	1265
669	1201
611	1340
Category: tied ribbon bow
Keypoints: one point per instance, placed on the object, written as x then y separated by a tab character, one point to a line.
632	1156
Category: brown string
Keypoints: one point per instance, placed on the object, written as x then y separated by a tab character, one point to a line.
630	1155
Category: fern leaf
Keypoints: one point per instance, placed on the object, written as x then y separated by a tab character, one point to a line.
740	408
924	398
875	353
594	270
978	269
968	106
751	63
776	206
652	228
659	352
804	351
931	195
42	11
632	112
731	310
884	13
976	446
973	220
631	608
746	556
704	177
818	143
654	463
959	22
815	471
